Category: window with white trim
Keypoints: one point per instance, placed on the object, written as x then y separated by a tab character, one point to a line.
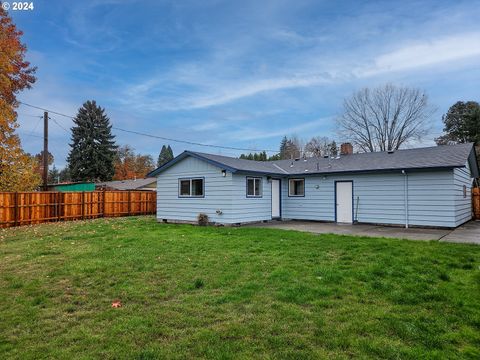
191	187
296	187
254	187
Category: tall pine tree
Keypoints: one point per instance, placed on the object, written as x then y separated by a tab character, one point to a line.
333	149
283	148
169	153
166	154
93	148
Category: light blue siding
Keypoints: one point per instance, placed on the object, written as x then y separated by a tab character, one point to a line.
218	193
463	205
378	198
251	209
435	198
227	194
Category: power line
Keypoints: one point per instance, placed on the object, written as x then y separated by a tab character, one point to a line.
190	142
31	115
30	135
43	109
61	126
153	136
36	125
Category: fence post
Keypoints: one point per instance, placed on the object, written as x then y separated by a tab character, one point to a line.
83	205
15	209
129	203
476	203
104	201
58	197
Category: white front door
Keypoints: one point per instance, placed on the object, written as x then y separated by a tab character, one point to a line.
344	204
275	198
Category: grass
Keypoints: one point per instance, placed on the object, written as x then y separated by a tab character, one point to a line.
206	292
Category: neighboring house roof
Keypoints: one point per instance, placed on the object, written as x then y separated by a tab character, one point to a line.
128	184
436	157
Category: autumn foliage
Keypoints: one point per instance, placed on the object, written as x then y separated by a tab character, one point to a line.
129	165
16	74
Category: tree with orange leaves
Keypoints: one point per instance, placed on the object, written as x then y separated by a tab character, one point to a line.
129	165
16	74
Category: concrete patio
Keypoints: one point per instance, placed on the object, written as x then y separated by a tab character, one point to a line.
467	233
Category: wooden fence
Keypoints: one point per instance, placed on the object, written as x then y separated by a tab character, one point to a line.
476	202
25	208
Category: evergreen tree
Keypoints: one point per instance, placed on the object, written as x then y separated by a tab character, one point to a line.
64	175
166	154
93	148
333	149
170	153
261	156
162	156
53	175
461	124
283	148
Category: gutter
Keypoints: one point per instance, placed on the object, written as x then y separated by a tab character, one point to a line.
405	196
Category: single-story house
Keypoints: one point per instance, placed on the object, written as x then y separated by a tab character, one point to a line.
149	183
415	187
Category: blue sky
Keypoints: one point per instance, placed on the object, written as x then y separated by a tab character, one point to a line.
239	73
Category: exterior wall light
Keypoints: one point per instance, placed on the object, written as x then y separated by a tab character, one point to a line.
224	173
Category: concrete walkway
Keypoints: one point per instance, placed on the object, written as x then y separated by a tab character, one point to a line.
467	233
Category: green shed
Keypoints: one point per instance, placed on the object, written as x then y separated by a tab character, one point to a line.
78	186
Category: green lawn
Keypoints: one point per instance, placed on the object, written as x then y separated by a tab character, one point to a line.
221	293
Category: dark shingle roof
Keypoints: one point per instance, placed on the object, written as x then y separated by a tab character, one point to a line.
420	158
128	184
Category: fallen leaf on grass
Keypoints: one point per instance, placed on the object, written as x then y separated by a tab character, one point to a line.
116	304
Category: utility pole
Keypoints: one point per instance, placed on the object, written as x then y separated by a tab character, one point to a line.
45	151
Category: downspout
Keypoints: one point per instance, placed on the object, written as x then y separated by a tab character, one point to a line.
405	196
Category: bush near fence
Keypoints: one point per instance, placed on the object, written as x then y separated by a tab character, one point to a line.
25	208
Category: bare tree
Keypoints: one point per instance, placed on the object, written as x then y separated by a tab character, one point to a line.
385	118
296	145
318	146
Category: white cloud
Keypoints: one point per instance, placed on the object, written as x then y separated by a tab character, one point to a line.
205	88
255	87
248	134
427	52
